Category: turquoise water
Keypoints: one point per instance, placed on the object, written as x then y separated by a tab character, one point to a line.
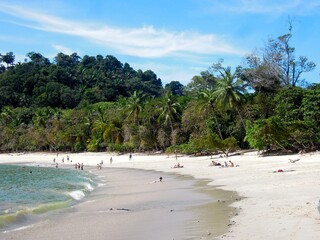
27	191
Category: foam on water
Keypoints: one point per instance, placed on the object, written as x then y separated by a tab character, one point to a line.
77	195
28	191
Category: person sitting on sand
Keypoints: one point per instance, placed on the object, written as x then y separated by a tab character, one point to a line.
178	166
231	164
214	163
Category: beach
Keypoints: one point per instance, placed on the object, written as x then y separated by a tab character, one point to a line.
276	196
129	204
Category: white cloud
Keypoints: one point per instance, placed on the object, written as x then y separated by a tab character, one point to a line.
63	49
142	42
265	6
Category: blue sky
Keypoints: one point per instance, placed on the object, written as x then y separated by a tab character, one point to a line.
177	39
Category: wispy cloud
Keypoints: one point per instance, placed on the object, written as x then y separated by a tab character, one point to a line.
265	6
146	41
63	49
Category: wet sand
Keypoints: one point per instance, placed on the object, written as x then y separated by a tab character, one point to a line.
133	204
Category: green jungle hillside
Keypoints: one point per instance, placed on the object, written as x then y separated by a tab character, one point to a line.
97	103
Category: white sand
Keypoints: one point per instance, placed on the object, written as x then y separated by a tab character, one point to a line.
274	205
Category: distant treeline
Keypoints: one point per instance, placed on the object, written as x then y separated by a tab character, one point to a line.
70	81
97	104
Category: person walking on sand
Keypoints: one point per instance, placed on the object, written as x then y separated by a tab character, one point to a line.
130	156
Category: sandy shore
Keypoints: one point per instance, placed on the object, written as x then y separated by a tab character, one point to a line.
130	204
273	204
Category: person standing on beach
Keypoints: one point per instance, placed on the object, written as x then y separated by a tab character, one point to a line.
130	156
111	160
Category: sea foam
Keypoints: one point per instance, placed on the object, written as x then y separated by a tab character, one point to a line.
77	195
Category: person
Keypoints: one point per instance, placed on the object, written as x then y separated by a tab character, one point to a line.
62	160
178	166
101	163
225	164
111	160
231	164
54	160
81	166
130	156
160	179
68	158
56	165
214	163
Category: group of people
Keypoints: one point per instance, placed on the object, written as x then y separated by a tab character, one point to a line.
177	166
214	163
99	165
62	160
78	166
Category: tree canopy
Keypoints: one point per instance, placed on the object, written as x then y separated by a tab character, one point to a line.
96	103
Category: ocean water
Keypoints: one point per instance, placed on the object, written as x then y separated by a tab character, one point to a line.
27	192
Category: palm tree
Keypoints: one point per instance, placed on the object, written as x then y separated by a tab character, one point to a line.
207	102
229	92
169	110
133	107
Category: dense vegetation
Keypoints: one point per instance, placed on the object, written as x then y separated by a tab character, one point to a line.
98	103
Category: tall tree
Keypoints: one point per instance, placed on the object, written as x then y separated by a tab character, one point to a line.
133	107
230	90
169	110
8	59
279	62
207	102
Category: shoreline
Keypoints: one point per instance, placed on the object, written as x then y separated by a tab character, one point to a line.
273	204
192	205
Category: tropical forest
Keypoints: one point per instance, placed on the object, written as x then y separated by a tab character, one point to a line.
97	103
